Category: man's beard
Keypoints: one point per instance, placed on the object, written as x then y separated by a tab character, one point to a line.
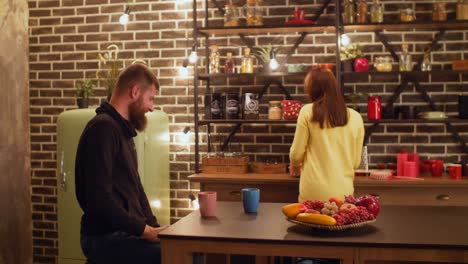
137	115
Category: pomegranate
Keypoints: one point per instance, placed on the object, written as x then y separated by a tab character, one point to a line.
370	203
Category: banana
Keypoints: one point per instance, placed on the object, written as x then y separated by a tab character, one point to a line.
318	219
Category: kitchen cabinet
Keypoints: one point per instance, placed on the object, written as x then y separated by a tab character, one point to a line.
282	188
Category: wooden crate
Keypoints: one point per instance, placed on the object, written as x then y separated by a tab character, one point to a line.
225	165
260	167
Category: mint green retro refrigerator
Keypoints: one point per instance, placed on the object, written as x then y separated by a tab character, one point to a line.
153	165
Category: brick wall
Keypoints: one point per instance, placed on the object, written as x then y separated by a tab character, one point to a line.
66	37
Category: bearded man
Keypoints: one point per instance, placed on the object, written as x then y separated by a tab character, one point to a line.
117	225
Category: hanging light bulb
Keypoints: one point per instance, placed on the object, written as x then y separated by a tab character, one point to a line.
273	62
193	57
123	20
345	40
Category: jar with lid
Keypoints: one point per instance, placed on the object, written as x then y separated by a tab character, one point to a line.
254	13
215	103
231	16
247	65
274	110
214	59
362	12
407	15
349	12
377	12
383	64
405	59
438	11
462	10
426	63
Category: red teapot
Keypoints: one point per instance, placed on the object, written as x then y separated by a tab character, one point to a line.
361	65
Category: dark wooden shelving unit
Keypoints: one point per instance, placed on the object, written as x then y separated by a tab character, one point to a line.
274	78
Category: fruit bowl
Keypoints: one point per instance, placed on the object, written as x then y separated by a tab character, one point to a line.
333	227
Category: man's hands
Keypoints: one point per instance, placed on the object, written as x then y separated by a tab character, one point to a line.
151	233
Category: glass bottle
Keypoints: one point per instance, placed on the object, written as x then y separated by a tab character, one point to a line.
232	106
231	16
426	63
405	59
348	15
254	13
439	13
362	12
274	111
229	65
247	65
377	12
214	59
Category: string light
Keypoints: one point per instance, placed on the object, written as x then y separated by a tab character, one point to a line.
345	40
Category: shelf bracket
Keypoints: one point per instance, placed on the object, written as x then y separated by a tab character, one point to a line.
431	47
456	135
320	11
386	44
231	135
293	49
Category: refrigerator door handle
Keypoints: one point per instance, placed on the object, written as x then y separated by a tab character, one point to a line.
63	174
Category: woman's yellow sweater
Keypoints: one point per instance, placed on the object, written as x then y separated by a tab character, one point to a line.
328	156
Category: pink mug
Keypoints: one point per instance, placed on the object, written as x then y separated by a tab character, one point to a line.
207	202
455	171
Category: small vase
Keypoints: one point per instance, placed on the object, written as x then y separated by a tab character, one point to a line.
82	102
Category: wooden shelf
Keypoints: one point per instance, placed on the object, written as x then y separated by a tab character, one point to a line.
205	76
244	121
222	31
407	121
405	73
402	26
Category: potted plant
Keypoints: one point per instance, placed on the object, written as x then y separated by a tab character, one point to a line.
352	58
109	68
84	89
265	55
356	98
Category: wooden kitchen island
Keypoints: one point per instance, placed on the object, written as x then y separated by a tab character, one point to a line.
430	191
401	233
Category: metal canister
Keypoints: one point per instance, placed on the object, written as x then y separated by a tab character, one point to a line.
232	106
374	108
250	106
217	106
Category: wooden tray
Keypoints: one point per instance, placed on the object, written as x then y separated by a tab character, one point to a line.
331	228
267	168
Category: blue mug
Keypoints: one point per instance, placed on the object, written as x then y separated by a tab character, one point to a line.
250	199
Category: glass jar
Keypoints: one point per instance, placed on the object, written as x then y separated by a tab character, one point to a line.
231	16
405	62
214	59
247	65
407	15
362	12
274	111
349	12
377	12
426	63
254	13
438	11
462	10
383	63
